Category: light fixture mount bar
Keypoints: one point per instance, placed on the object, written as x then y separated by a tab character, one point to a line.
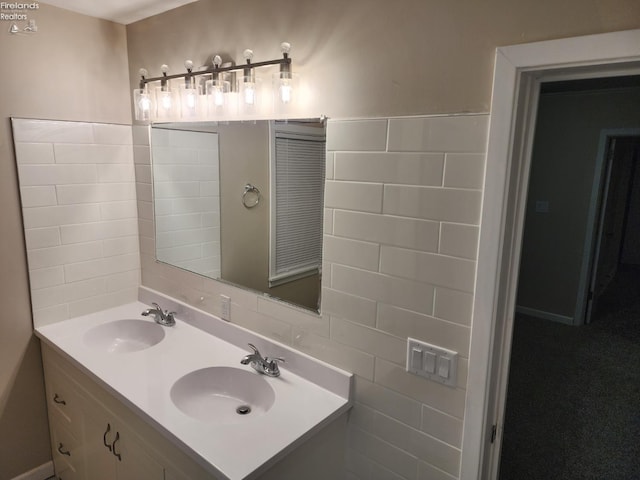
285	64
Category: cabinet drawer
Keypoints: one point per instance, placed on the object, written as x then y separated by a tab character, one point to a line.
63	399
67	451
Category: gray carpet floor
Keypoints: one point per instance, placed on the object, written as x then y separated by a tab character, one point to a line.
573	400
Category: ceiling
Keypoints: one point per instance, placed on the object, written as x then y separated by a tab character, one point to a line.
119	11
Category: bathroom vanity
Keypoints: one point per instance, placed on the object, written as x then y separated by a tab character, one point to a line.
130	399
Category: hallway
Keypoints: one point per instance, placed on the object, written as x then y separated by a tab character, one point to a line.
573	402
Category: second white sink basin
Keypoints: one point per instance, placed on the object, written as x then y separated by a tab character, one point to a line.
123	336
222	395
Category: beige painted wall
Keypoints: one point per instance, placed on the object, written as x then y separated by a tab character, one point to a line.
73	68
363	58
563	166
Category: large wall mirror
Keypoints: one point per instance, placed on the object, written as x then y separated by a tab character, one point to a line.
242	202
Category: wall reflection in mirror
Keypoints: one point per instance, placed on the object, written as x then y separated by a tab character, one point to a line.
242	202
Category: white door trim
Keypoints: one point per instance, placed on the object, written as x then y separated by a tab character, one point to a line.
518	70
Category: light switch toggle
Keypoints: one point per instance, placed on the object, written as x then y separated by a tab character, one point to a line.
416	356
430	361
444	367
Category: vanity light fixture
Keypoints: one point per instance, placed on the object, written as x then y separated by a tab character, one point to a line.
189	93
217	88
248	86
285	78
142	99
165	103
212	93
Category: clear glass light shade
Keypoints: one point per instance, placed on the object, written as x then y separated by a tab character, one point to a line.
286	90
166	103
190	101
143	104
250	94
217	96
285	85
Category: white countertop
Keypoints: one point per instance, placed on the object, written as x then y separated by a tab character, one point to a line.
143	379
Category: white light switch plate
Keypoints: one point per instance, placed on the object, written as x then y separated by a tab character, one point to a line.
435	363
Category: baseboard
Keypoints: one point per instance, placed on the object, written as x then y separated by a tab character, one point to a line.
42	472
554	317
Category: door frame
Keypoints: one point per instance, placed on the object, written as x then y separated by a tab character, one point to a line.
518	72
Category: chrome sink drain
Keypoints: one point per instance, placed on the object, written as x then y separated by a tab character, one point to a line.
243	410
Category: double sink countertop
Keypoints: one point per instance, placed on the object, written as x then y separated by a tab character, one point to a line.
307	395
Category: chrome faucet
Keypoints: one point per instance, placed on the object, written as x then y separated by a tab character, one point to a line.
266	365
162	317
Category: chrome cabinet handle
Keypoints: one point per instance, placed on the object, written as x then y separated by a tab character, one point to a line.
63	452
58	400
114	447
104	437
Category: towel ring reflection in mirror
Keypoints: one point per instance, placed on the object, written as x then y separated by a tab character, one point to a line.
251	196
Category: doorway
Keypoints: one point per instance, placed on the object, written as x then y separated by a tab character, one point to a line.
618	233
517	75
573	388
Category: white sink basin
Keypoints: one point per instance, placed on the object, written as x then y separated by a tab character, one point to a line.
124	336
222	395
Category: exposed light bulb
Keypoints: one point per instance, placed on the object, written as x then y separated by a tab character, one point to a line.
188	64
143	72
164	68
217	60
166	101
191	100
285	48
285	91
144	103
218	96
248	55
249	93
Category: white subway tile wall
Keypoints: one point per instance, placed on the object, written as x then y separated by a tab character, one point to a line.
187	193
78	194
402	212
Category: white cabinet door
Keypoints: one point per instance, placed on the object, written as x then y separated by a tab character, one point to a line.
99	436
133	462
113	452
89	440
